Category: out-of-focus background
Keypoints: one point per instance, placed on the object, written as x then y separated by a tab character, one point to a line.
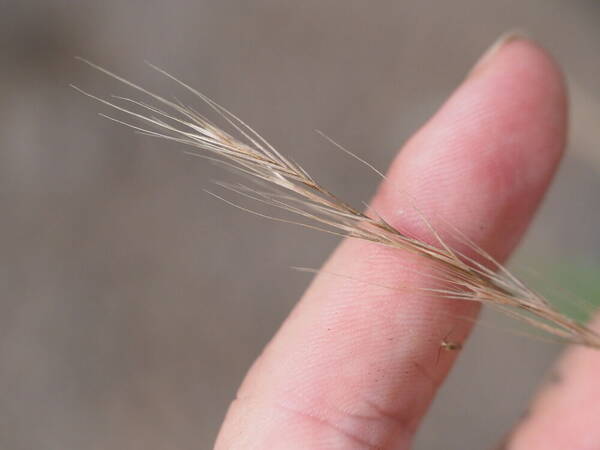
132	303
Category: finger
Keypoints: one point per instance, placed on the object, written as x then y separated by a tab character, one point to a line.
565	414
355	366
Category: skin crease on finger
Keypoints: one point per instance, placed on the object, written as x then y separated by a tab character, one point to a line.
355	366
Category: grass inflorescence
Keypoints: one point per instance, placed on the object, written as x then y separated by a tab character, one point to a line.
280	182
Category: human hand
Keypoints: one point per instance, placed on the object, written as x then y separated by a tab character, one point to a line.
355	367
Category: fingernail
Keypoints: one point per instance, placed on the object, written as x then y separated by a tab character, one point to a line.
492	51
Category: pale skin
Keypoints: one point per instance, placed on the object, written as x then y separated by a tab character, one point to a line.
354	367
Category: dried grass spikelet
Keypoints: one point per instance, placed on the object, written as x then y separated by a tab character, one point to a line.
282	183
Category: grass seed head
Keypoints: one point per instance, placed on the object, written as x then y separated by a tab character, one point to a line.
276	181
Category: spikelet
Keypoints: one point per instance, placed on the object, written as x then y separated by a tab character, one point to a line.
282	183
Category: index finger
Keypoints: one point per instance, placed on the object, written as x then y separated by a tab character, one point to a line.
355	366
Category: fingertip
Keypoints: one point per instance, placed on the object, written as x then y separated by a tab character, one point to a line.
492	147
528	76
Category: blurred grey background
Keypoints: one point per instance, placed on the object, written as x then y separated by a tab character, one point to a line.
132	303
